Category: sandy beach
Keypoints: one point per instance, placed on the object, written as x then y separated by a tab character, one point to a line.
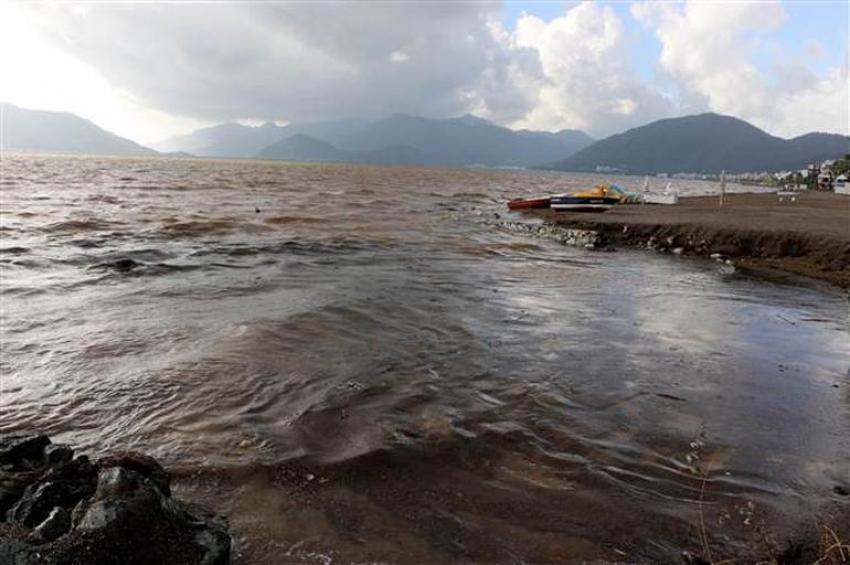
809	236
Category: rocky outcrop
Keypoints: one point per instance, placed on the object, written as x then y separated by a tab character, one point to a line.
60	508
567	236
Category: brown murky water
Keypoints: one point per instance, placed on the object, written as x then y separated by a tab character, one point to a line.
371	369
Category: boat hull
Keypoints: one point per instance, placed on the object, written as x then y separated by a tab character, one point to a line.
574	203
660	198
527	203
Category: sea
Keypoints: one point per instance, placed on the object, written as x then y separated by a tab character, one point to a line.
361	364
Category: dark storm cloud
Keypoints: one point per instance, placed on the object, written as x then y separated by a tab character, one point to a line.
299	61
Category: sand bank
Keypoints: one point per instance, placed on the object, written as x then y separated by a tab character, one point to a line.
809	237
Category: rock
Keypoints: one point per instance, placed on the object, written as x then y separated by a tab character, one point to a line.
678	251
64	485
142	464
16	552
39	500
128	510
8	497
57	523
121	495
56	454
72	512
23	450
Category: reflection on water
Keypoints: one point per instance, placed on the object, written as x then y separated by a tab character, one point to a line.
358	363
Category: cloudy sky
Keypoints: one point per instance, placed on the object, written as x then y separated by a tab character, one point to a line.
148	70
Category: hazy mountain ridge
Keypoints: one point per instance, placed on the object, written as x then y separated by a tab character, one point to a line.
398	139
467	140
704	143
224	140
302	147
61	132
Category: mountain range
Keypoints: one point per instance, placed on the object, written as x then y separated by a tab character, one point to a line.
397	139
61	132
705	143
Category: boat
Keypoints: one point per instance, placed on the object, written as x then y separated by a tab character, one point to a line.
842	186
598	199
526	203
668	197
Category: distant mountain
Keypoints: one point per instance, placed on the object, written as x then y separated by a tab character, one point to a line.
399	139
224	140
301	147
467	140
60	132
237	140
706	143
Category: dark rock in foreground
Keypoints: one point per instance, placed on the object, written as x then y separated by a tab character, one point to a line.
57	508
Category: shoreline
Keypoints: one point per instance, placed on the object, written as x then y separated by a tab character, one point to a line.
809	237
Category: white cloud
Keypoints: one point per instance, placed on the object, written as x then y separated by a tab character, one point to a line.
586	80
709	48
36	74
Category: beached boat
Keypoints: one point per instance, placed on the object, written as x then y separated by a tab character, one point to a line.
598	199
526	203
668	197
842	186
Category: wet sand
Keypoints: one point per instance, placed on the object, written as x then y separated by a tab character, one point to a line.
809	237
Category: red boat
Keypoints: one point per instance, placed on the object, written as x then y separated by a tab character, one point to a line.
524	203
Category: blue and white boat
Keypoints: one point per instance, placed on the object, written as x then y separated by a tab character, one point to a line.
598	199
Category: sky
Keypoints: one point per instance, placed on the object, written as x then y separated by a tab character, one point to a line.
151	69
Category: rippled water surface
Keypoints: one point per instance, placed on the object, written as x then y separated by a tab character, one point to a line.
364	364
